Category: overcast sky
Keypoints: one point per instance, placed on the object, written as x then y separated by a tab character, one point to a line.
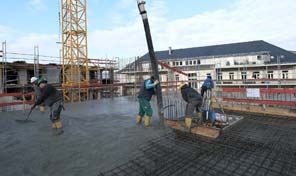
115	28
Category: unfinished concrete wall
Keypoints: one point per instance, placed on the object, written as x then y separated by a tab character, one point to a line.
22	77
14	107
1	86
53	74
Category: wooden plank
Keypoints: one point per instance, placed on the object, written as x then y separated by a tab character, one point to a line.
205	131
269	102
259	110
170	122
200	130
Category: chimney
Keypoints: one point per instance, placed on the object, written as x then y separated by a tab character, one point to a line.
170	50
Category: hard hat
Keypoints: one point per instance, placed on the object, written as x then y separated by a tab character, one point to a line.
33	79
181	85
41	80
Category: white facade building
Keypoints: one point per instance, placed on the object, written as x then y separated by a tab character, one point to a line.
247	64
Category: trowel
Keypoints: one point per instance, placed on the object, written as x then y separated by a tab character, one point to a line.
26	120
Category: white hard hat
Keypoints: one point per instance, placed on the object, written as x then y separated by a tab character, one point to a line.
33	79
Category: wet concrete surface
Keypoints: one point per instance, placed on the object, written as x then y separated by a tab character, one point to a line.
101	138
99	135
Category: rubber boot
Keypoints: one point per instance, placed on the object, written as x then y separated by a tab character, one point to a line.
188	122
139	119
57	128
42	109
199	116
147	121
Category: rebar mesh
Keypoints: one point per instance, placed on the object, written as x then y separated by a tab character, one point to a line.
254	146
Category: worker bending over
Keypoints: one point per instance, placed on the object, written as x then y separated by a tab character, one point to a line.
51	97
207	85
194	102
146	92
37	91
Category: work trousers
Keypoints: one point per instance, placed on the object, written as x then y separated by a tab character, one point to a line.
144	107
191	106
55	110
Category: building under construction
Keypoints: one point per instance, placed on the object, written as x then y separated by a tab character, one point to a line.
255	89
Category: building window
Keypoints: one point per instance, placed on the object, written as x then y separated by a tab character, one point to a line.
256	75
177	77
190	62
177	63
192	77
259	57
244	75
194	62
181	63
186	62
208	74
174	63
270	74
198	61
227	63
219	76
231	76
285	74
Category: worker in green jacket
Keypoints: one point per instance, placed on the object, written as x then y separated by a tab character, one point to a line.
53	98
146	92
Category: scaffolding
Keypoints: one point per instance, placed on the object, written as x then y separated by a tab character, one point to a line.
3	68
36	61
74	50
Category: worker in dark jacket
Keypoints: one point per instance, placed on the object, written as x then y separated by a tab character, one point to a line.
194	102
146	92
207	85
51	97
37	91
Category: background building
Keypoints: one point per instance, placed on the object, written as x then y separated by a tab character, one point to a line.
246	64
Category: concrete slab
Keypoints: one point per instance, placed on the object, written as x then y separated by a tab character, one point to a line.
99	135
101	138
257	145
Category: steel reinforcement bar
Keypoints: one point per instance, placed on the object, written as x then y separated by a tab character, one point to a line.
254	146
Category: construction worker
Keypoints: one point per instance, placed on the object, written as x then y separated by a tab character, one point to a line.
194	102
206	89
34	82
146	92
51	97
207	85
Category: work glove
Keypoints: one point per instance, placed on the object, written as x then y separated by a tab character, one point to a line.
156	82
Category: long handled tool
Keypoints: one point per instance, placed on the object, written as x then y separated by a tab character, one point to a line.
28	116
222	109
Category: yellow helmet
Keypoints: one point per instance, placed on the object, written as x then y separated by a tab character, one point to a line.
181	85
